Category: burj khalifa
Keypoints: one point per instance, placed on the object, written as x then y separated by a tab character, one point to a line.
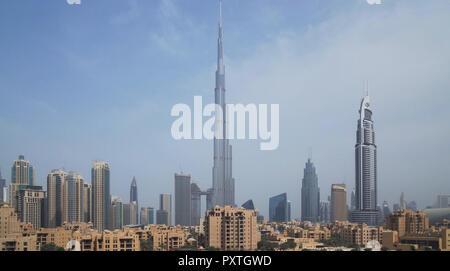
223	181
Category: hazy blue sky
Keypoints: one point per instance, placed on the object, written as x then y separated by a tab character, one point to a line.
97	81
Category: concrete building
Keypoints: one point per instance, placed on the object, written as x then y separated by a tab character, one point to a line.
443	201
101	197
117	214
87	202
310	194
338	203
30	205
165	204
3	190
183	199
407	222
55	198
147	216
129	213
162	217
229	228
22	176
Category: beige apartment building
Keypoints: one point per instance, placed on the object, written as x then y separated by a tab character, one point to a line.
229	228
338	203
407	222
358	234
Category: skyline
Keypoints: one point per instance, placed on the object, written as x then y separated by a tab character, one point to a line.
31	130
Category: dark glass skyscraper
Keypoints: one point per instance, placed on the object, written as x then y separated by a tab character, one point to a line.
134	198
183	199
223	181
278	208
310	194
365	168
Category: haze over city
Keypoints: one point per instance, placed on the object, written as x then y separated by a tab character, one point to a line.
96	81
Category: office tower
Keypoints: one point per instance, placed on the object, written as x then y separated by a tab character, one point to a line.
101	197
22	172
183	199
278	208
289	210
223	181
73	198
55	198
366	168
134	197
22	175
338	203
229	228
324	213
248	205
87	202
147	216
443	201
162	217
353	201
129	213
403	201
196	204
2	189
396	207
30	203
407	222
165	204
117	214
386	209
310	193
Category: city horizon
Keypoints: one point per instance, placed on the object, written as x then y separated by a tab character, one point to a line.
115	129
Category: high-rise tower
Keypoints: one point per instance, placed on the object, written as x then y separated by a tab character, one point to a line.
134	198
101	197
365	168
310	194
223	181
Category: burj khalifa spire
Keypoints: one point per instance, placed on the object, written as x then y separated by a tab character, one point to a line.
223	181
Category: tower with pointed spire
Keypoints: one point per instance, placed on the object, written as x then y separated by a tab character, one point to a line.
366	167
223	181
134	198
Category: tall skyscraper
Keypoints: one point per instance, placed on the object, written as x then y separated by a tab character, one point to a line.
73	198
30	205
310	193
2	188
87	202
134	197
165	204
365	168
117	214
22	175
443	201
183	199
223	181
289	210
147	216
101	197
338	203
129	213
248	205
278	208
324	212
386	209
55	198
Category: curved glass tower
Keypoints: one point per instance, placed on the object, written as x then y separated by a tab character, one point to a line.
223	181
365	168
